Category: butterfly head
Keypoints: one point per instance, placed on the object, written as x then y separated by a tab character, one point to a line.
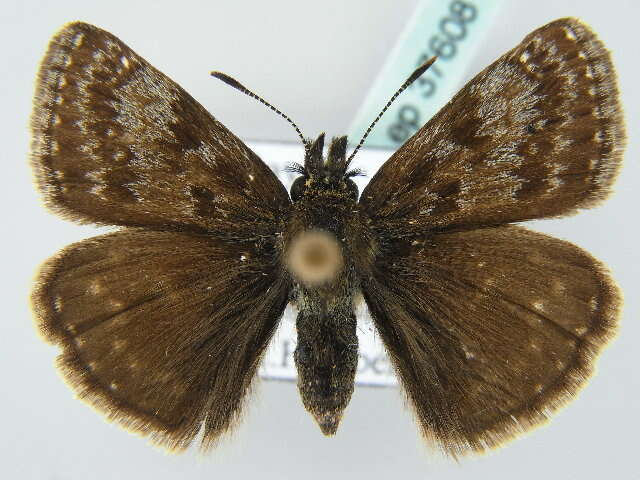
320	174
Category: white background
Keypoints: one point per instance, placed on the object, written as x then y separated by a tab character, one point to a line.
315	60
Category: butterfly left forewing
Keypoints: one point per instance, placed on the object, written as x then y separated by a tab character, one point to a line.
162	332
489	330
538	133
115	141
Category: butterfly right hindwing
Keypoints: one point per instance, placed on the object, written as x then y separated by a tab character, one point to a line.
490	330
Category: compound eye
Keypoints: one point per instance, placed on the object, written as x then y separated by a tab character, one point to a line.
298	187
352	188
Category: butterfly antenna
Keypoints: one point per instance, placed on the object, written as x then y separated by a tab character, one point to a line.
412	78
238	86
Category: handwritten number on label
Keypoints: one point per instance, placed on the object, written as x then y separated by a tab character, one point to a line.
452	29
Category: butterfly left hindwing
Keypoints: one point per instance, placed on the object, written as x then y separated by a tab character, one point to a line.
161	331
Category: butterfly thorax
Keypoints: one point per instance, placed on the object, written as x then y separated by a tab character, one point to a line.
319	256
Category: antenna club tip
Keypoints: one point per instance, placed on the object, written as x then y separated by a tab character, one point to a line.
421	69
228	80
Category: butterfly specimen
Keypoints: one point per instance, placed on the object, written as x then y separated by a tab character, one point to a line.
163	323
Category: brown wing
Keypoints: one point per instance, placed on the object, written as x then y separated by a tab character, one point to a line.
161	332
537	134
490	330
117	142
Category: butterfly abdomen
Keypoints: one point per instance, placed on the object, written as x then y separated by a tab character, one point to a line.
319	252
325	284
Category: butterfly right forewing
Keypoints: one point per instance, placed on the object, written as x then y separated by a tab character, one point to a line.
538	133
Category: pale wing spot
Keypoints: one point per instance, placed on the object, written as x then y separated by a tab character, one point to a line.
570	34
598	137
561	143
469	355
243	258
481	264
95	175
59	100
57	304
59	174
109	132
119	344
538	388
78	341
113	386
592	91
95	287
119	155
56	119
568	120
91	366
534	346
539	305
589	71
133	365
524	57
78	39
251	178
593	304
55	146
580	331
582	56
559	365
540	124
555	183
97	190
533	148
571	79
115	303
489	281
125	61
68	62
